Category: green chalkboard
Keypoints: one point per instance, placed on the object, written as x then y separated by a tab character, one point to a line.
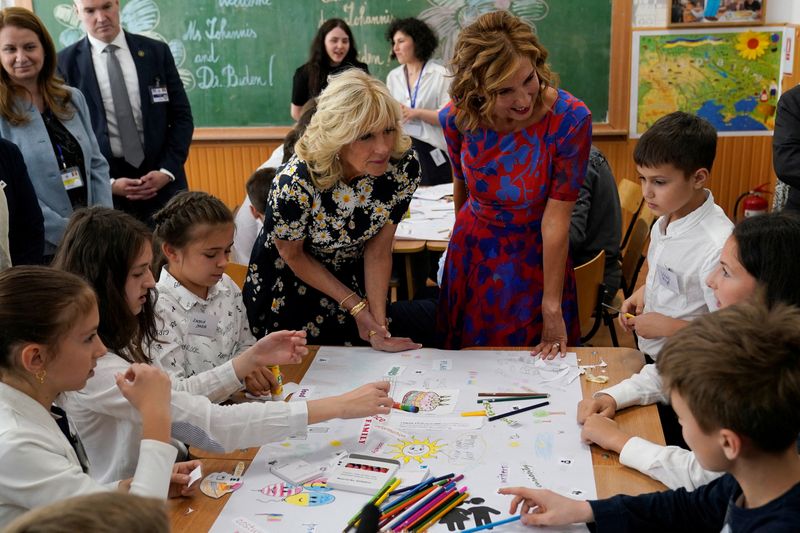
237	57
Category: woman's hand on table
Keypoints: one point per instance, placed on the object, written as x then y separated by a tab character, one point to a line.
554	336
378	336
605	433
603	404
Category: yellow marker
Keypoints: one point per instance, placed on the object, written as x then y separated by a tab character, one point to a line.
277	394
473	413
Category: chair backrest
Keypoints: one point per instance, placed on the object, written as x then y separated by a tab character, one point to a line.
588	281
631	202
633	256
237	272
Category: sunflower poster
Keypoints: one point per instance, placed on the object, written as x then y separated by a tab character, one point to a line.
731	77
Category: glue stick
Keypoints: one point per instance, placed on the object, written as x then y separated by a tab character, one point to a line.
277	394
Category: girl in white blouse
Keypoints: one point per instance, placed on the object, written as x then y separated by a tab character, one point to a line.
113	251
203	329
49	345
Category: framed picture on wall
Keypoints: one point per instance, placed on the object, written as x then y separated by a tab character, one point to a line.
716	12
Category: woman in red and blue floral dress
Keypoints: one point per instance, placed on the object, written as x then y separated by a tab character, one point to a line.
519	149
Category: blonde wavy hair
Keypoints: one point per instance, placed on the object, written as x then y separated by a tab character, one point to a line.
52	88
352	105
487	54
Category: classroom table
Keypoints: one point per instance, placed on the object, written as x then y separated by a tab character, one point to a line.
610	476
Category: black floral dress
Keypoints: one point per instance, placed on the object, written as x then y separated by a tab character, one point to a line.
335	224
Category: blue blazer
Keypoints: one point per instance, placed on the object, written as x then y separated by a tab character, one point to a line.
34	143
167	126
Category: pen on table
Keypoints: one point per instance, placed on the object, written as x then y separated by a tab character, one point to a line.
384	489
493	524
528	408
514	398
505	394
618	310
405	407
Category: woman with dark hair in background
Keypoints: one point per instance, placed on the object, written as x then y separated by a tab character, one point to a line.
332	51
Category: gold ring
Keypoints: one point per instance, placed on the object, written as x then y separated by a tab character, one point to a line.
372	333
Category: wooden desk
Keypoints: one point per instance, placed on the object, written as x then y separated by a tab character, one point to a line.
610	476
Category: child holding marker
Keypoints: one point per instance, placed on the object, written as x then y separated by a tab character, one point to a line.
673	159
204	339
739	417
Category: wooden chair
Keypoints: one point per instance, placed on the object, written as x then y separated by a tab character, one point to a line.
634	255
237	272
591	290
631	202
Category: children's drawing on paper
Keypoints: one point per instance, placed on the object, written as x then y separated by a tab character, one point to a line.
432	402
468	448
543	446
416	449
310	499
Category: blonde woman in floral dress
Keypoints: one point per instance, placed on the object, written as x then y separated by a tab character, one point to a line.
323	260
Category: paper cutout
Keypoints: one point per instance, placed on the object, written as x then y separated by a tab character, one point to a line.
217	484
194	475
596	379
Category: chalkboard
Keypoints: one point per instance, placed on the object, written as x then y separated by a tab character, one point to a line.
237	57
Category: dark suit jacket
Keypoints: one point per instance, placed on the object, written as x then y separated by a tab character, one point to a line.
25	221
167	126
786	145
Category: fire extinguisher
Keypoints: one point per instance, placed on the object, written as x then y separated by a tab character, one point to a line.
753	202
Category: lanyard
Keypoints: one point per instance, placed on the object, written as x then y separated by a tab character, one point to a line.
61	157
413	97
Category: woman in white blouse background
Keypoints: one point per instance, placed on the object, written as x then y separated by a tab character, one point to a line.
49	346
422	88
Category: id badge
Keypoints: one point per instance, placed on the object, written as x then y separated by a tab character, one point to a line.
438	157
668	278
71	178
159	94
202	324
413	128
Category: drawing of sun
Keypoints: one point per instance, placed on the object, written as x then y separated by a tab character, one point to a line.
752	45
416	449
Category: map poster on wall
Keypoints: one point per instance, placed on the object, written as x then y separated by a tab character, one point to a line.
731	77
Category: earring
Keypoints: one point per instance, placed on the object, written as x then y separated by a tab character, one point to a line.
336	157
40	375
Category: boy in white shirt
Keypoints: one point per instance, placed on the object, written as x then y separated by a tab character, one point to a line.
673	159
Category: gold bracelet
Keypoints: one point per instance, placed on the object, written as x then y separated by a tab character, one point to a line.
341	304
358	307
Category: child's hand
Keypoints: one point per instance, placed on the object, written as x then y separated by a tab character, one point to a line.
633	305
261	382
366	400
546	508
145	387
280	348
652	325
605	433
603	404
178	485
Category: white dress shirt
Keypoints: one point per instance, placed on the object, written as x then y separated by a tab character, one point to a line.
671	465
108	424
38	466
688	248
128	67
433	93
198	363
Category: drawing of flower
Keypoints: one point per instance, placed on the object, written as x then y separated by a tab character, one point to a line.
752	45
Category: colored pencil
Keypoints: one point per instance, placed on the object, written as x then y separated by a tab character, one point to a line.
493	524
443	512
513	398
506	394
414	509
372	500
453	496
473	413
424	484
405	407
510	413
431	508
405	503
385	494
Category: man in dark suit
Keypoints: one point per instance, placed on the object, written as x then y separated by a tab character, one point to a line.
140	112
786	146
